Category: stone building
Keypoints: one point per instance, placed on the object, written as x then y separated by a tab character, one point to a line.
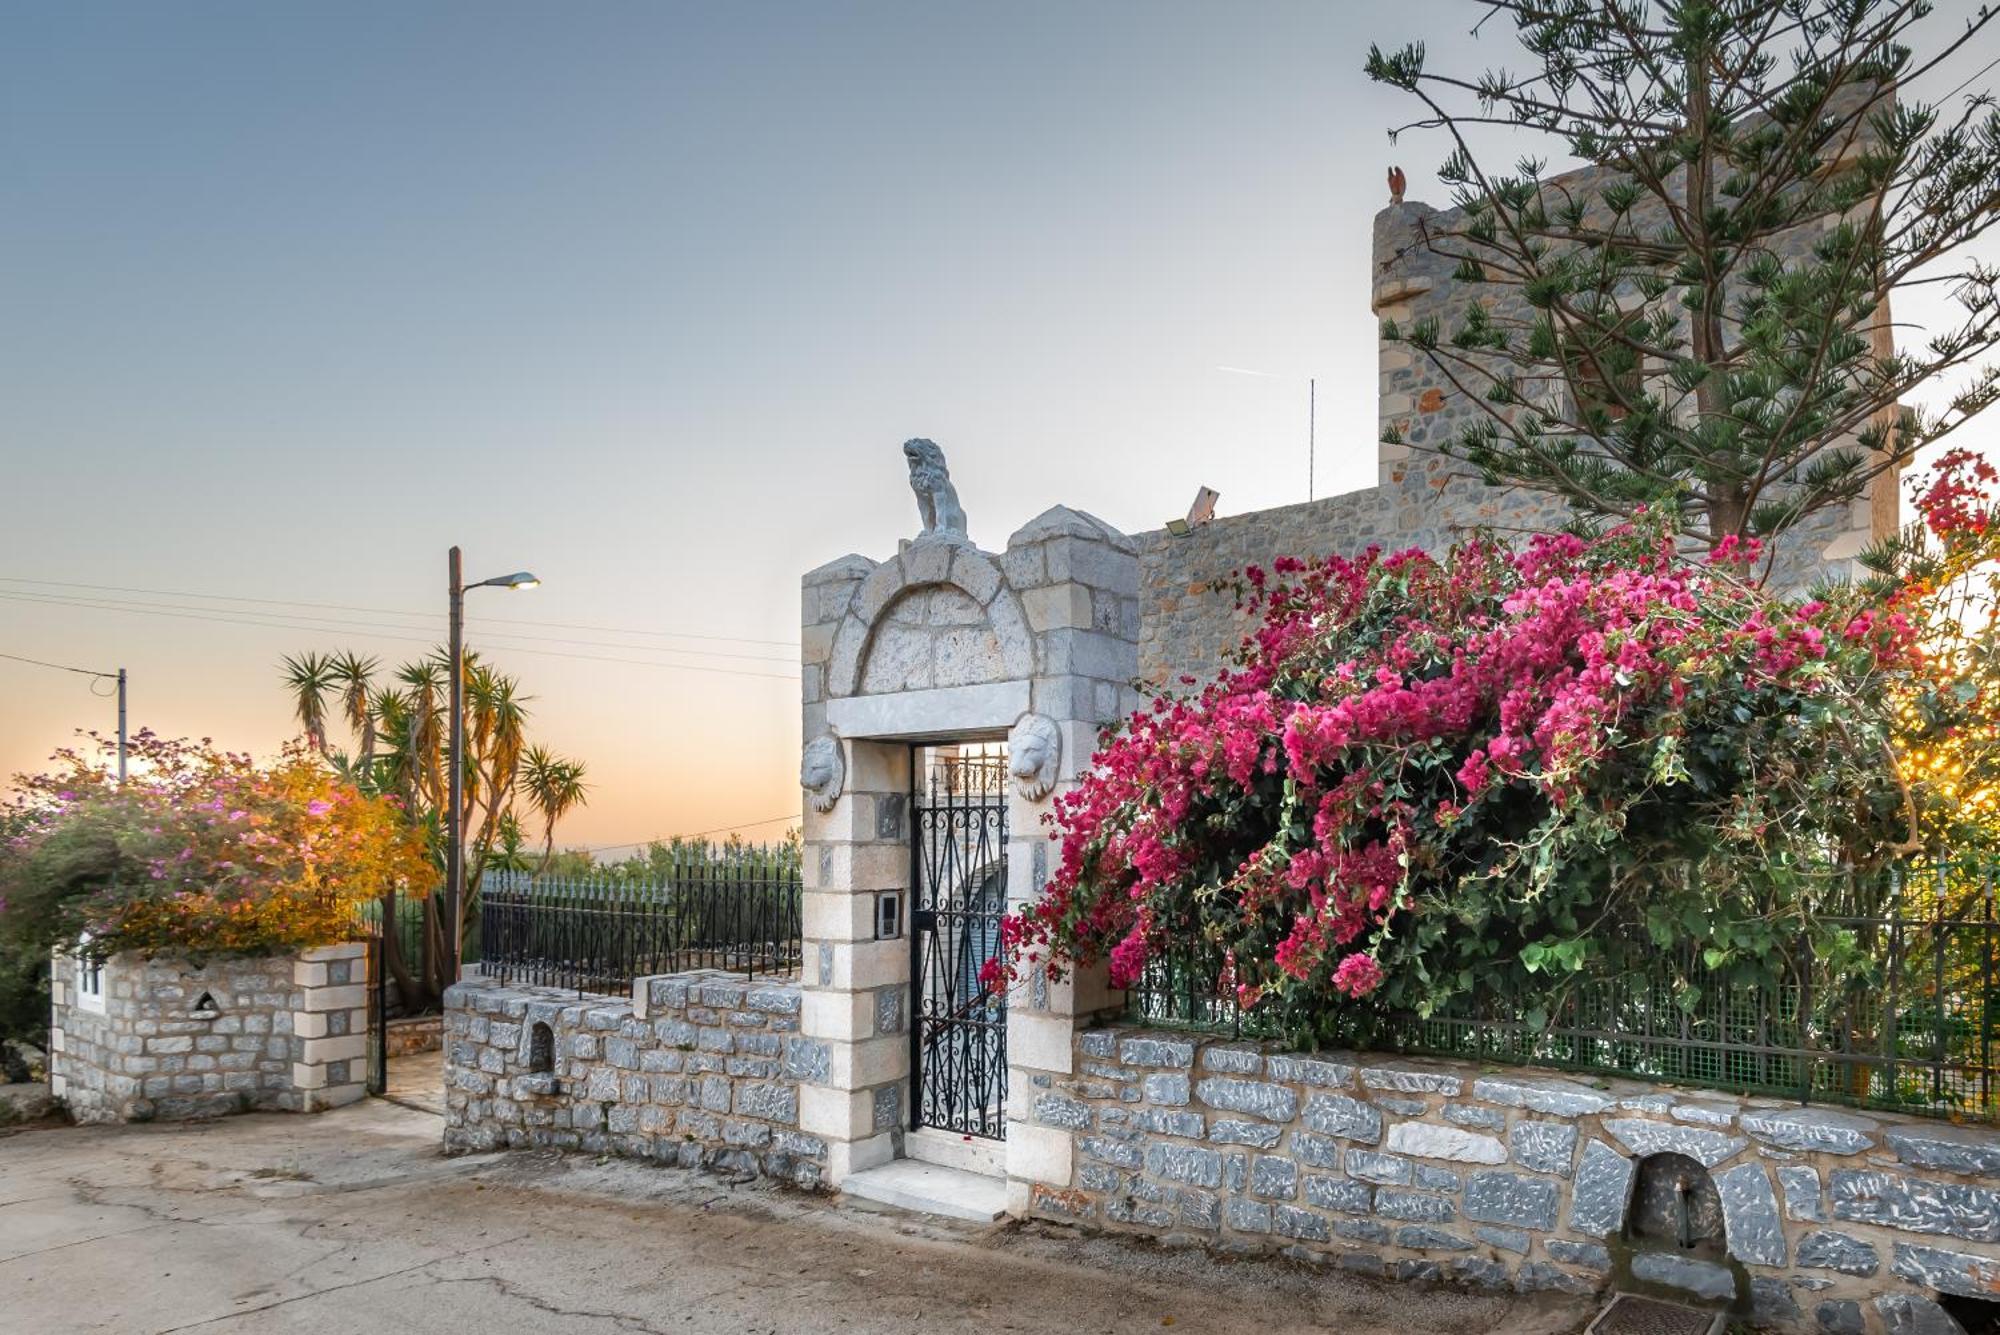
1420	497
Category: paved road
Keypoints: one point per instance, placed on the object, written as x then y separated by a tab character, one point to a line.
352	1222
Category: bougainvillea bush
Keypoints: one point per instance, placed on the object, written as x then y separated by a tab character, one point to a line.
1432	779
201	851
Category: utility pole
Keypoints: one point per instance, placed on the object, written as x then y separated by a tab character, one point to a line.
1312	431
121	727
454	854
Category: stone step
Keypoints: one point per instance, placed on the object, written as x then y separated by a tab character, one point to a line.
928	1188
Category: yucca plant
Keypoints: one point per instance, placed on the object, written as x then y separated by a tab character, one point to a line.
400	730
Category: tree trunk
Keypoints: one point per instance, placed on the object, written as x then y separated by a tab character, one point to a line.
1728	502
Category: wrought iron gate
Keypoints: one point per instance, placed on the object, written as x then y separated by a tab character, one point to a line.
958	1042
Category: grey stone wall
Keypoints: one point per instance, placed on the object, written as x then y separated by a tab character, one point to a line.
701	1071
1518	1179
283	1033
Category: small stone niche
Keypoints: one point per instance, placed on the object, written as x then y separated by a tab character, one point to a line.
204	1008
1675	1208
541	1049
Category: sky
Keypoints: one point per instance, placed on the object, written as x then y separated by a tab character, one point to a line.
643	298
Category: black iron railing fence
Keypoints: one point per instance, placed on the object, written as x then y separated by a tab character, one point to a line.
1914	1027
596	934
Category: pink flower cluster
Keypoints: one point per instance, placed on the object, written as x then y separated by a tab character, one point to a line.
1383	708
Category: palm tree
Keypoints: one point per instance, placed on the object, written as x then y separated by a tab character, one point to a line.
553	788
310	676
400	732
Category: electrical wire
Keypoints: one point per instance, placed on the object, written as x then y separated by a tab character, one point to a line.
49	600
60	667
698	834
386	611
346	622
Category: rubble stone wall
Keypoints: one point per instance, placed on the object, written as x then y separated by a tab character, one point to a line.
1832	1220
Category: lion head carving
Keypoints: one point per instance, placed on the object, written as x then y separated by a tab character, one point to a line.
823	771
1034	755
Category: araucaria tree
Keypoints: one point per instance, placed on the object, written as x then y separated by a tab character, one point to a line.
1698	323
400	733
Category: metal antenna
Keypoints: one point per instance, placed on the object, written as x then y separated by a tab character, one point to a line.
1312	435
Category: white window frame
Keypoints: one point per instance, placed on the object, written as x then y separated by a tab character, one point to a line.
89	979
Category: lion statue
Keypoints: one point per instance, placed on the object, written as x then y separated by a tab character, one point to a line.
823	772
1034	751
937	499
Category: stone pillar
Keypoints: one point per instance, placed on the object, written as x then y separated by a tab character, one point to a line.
330	1026
943	643
1078	581
853	1054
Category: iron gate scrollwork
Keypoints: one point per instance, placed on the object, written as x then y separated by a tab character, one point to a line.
958	1042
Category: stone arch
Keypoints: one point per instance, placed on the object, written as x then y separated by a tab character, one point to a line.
945	600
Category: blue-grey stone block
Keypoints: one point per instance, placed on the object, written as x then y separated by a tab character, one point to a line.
1414	1206
1060	1110
1274	1178
1341	1194
1917	1206
1247	1216
1510	1198
1339	1115
1273	1103
1164	1052
1962	1274
1750	1221
1506	1239
1184	1163
1971	1151
1543	1147
1824	1249
1816	1130
1230	1131
1800	1185
1643	1137
1418	1238
1704	1279
1906	1314
1370	1166
1589	1255
1603	1188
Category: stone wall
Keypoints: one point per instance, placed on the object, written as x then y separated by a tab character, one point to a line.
1832	1220
414	1034
698	1069
178	1038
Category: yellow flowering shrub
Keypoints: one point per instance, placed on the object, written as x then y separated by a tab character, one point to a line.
202	851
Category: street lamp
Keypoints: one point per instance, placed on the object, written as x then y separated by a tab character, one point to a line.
454	854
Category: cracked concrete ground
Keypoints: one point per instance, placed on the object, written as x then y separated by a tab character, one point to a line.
353	1221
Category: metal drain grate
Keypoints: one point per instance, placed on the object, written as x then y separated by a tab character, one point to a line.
1630	1315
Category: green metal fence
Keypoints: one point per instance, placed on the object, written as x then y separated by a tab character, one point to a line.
1915	1029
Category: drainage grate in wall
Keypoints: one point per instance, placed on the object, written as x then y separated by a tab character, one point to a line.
1630	1315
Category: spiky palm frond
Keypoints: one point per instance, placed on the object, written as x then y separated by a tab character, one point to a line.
310	676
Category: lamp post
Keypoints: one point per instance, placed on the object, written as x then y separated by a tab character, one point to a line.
454	854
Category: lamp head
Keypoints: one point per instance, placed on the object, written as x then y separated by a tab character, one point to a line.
520	579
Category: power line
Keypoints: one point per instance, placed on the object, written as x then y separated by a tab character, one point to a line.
60	667
50	600
394	612
345	622
698	834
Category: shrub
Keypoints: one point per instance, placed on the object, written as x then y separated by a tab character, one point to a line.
1426	779
202	851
